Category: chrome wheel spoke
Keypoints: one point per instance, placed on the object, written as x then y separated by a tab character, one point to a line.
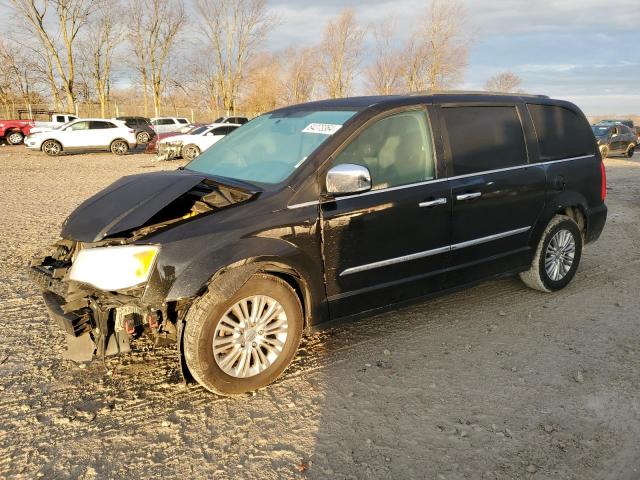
250	336
559	255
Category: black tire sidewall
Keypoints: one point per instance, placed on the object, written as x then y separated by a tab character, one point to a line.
213	377
573	228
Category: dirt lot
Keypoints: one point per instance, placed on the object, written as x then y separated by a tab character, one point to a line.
495	382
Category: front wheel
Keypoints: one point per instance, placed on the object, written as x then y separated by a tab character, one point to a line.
15	138
557	256
604	151
245	342
52	148
189	152
630	151
119	147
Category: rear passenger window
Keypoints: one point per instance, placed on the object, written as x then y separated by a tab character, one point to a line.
561	132
101	125
484	138
183	121
397	150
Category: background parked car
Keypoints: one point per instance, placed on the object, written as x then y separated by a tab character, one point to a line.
85	134
191	144
14	131
617	139
53	120
142	126
237	120
152	146
628	123
168	124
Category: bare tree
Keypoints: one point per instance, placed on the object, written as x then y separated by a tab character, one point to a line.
100	44
298	76
341	53
437	52
385	74
261	91
234	30
153	34
507	82
69	17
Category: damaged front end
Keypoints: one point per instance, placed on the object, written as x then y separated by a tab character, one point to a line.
97	298
169	150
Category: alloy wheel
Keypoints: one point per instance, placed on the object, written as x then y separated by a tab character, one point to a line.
250	336
51	148
15	138
559	255
143	137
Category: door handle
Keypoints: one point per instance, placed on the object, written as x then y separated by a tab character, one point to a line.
468	196
433	203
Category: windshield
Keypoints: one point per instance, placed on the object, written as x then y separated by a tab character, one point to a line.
601	130
269	148
197	130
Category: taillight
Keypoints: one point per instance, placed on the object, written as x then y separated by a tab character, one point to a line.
603	179
132	130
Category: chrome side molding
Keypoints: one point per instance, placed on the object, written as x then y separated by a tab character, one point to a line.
428	253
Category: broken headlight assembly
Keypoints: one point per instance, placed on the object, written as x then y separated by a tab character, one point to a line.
114	268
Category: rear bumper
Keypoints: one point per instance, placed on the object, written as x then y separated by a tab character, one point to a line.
596	219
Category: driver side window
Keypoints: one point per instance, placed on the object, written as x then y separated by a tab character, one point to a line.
79	126
397	150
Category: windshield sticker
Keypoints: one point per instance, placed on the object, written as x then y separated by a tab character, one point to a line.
323	128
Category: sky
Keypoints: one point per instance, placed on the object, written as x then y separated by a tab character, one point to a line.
585	51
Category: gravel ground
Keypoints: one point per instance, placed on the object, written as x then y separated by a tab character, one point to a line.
496	382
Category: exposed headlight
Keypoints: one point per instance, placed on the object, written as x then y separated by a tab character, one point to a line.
114	268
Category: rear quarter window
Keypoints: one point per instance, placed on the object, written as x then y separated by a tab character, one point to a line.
484	138
561	132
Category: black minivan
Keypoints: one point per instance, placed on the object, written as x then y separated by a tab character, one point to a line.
323	211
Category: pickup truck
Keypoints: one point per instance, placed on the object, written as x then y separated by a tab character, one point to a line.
14	131
55	120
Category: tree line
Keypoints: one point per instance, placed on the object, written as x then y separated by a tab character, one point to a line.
213	54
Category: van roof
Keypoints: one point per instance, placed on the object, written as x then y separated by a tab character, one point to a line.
390	101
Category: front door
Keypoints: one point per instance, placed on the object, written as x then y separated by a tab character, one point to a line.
391	243
497	196
77	135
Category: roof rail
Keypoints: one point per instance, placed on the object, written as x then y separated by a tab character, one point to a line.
473	92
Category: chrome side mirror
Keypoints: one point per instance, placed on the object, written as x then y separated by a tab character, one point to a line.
348	178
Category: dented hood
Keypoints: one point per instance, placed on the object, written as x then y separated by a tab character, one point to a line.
127	204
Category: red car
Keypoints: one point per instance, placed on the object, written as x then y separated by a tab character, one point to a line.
14	131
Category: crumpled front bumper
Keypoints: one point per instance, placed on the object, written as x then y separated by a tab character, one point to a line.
169	150
86	324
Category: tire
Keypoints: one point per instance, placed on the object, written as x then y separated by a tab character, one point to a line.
143	137
208	321
538	276
119	147
630	151
52	148
604	152
191	151
15	138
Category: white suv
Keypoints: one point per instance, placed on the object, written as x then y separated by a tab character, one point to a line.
168	124
84	134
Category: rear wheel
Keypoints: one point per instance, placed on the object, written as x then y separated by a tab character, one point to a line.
189	152
119	147
15	138
143	137
52	148
557	256
245	342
